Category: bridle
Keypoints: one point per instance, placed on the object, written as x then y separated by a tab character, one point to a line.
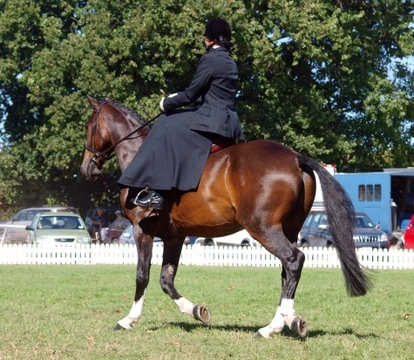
100	157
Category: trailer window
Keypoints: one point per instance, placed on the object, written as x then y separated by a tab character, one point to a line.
361	192
370	192
377	192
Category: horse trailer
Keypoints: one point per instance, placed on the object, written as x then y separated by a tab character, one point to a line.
387	197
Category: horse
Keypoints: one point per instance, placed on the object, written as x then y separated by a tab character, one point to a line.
261	186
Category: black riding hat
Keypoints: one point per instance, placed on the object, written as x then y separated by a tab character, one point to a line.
219	31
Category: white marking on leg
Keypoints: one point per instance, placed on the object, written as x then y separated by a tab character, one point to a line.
275	327
134	314
287	308
185	306
285	313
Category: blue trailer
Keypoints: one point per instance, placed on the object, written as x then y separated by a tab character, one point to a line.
386	196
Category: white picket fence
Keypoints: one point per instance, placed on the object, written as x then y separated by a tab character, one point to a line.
195	255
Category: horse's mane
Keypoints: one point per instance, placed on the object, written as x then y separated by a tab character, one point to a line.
126	110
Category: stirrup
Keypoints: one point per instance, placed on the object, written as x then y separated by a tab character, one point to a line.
145	191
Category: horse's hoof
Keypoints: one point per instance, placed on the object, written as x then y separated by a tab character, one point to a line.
118	327
201	313
299	326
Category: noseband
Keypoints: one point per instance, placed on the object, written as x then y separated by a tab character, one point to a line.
100	157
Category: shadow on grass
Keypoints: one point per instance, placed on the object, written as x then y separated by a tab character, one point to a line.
189	327
347	331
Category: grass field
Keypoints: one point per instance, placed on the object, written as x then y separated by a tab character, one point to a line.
68	312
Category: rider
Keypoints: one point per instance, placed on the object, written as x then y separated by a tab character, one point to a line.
174	153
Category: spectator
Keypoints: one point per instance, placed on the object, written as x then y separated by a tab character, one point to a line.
119	215
120	222
100	222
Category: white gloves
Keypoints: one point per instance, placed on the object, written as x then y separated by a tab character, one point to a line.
162	101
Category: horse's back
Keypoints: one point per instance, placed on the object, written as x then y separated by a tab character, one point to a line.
259	154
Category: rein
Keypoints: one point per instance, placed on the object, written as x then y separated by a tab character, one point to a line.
107	154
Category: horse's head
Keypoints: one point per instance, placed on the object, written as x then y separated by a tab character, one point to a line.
108	126
95	155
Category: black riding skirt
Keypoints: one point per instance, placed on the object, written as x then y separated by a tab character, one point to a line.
171	156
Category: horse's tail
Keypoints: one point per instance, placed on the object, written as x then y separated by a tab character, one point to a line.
341	217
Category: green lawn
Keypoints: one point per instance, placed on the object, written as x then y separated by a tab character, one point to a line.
68	312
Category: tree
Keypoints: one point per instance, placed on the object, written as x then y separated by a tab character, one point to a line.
314	75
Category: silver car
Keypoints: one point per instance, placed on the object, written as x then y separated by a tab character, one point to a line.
51	228
315	231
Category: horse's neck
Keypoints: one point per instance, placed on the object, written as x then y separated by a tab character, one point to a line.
126	151
128	134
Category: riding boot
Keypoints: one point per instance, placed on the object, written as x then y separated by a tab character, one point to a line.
151	200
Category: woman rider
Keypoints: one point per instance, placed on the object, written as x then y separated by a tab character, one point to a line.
176	149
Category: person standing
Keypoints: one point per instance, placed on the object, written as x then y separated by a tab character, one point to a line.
100	222
174	153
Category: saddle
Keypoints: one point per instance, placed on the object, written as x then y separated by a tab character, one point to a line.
222	144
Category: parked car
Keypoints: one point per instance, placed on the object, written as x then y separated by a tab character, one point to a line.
127	236
240	238
115	230
51	228
408	235
315	231
16	228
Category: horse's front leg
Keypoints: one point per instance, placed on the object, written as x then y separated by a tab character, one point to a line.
171	257
144	248
292	261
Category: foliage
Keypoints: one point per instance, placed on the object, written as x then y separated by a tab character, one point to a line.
314	75
68	312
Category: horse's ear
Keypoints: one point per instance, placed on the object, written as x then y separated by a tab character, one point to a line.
94	103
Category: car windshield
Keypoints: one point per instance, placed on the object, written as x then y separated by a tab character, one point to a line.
363	221
59	222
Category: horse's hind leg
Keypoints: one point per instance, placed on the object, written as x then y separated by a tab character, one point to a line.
171	257
292	261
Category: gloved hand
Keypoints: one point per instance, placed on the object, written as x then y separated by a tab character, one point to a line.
162	104
162	101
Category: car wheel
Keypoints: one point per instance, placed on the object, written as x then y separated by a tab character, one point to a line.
304	244
115	241
208	242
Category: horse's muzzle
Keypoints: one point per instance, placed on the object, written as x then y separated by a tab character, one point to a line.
90	170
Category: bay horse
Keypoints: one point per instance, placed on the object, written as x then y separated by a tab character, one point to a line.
261	186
